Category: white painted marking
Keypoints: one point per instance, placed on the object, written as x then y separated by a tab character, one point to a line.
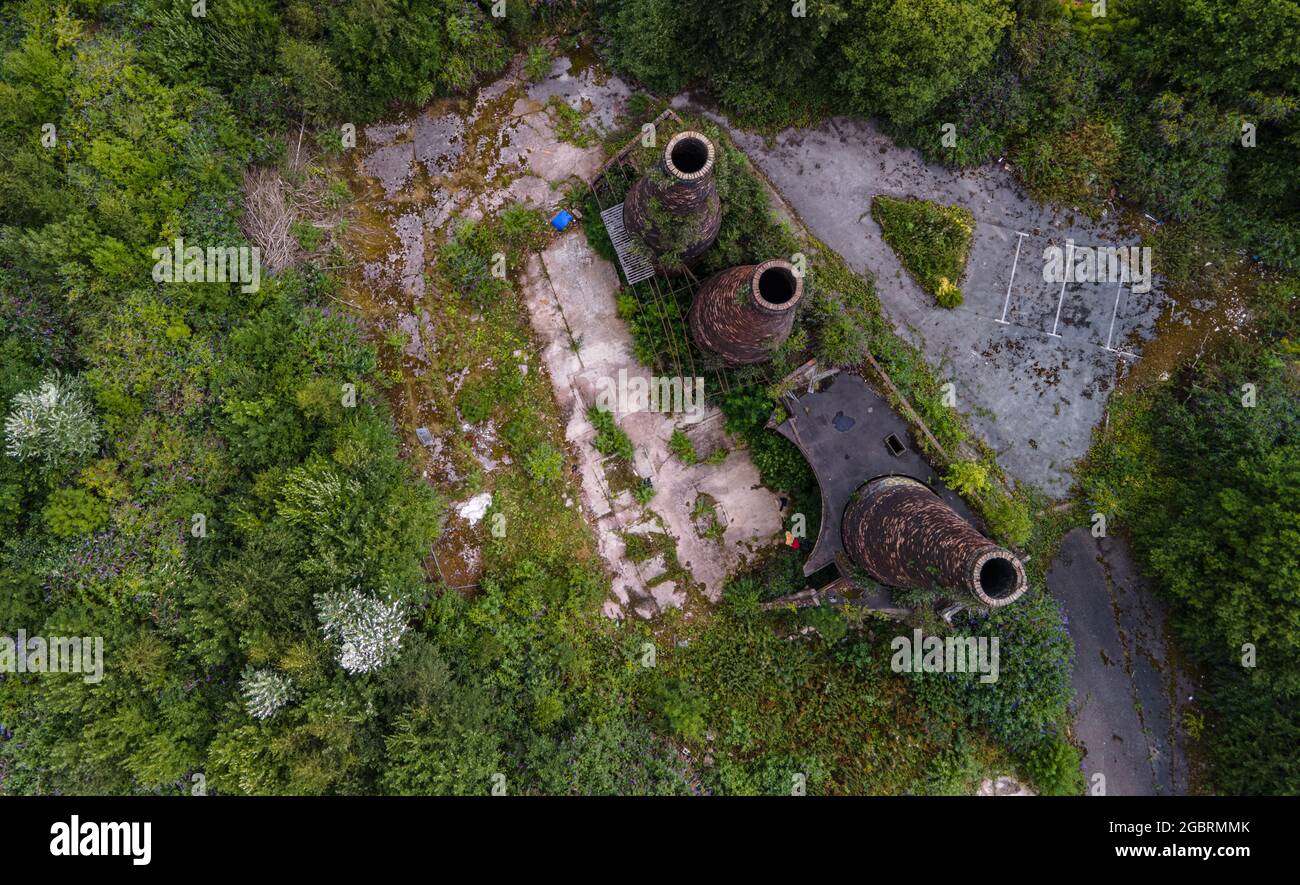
1020	239
1114	312
1065	278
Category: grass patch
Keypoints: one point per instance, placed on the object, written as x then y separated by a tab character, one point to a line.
932	242
1076	168
610	440
680	445
570	123
778	708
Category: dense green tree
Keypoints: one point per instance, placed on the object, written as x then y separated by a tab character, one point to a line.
899	58
1222	49
402	50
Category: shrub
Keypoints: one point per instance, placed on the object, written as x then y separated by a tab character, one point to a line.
476	400
681	708
1008	518
1078	168
366	631
900	59
644	492
1033	685
967	478
843	328
523	228
956	771
1182	150
467	261
948	295
610	438
1053	766
779	462
53	423
537	64
647	43
71	513
680	445
308	235
545	464
265	692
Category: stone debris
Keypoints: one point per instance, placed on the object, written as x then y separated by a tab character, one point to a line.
475	508
1004	786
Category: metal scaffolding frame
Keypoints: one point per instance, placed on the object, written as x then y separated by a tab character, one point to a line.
667	297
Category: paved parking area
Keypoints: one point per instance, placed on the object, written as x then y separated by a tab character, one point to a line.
1033	362
1080	314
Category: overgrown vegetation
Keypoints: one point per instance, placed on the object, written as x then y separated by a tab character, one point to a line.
930	240
739	692
1200	471
841	322
1190	109
610	439
209	479
211	483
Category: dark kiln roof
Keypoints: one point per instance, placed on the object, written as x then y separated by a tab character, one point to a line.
841	431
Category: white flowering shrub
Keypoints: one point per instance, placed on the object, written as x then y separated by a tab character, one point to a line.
265	692
53	423
367	631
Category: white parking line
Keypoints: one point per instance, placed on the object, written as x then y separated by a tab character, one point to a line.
1020	239
1114	312
1069	257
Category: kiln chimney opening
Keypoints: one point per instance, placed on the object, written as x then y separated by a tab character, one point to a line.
998	578
689	155
777	285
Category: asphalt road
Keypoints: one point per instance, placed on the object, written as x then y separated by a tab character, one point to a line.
1129	693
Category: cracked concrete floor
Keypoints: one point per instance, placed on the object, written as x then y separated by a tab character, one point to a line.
570	293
